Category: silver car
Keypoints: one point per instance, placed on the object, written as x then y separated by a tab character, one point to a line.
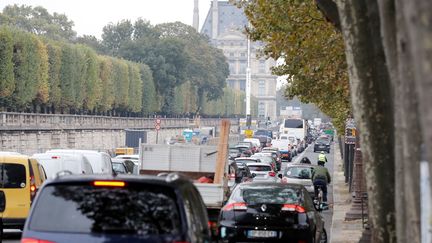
262	172
299	174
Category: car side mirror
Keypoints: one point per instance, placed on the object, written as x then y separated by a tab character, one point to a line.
253	175
280	176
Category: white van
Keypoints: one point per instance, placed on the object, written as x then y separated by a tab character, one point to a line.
56	162
100	161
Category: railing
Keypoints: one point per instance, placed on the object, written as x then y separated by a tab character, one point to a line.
32	121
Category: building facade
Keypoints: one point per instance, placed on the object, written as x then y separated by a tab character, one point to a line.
224	25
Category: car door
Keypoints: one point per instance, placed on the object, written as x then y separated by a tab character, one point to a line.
15	183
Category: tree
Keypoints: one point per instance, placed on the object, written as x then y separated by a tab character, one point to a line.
149	99
54	60
7	82
114	35
313	52
39	21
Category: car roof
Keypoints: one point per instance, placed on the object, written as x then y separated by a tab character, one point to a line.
246	158
258	164
257	184
172	179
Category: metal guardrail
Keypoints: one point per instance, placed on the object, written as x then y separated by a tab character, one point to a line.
33	121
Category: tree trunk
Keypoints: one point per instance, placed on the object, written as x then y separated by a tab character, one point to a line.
373	110
418	19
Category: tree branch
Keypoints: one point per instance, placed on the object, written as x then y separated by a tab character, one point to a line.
330	11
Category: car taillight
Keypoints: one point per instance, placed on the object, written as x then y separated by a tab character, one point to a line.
32	240
238	206
33	188
109	183
232	176
272	173
293	208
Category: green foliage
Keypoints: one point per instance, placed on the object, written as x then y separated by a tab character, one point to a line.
107	83
7	82
313	52
149	99
27	68
38	21
54	64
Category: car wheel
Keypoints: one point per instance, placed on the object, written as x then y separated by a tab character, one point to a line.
323	237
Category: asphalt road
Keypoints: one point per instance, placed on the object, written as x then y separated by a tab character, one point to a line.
14	236
313	157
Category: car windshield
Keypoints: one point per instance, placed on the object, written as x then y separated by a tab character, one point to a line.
119	167
299	172
269	195
259	168
12	175
322	140
134	209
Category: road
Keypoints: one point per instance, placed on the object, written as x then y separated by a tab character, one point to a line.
13	236
313	157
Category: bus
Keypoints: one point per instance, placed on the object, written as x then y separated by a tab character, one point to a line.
294	127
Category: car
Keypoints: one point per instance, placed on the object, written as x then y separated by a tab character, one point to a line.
322	144
100	161
20	179
54	163
238	173
245	150
268	158
262	132
124	208
262	172
299	174
234	152
120	167
271	212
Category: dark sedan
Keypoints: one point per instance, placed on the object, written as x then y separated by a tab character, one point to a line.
271	212
322	144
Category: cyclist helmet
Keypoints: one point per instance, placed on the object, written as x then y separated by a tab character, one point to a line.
322	152
322	163
305	160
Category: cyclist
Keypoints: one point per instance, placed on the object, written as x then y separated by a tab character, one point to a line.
320	178
322	157
305	160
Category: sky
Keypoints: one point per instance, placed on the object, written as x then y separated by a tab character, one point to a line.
90	16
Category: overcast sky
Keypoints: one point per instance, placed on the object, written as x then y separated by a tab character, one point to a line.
90	16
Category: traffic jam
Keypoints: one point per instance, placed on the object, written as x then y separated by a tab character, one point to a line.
265	192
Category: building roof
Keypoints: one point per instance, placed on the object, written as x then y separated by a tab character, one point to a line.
229	18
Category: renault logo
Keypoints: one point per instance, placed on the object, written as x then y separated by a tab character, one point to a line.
264	207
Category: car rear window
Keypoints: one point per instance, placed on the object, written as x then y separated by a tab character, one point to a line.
259	168
134	209
12	175
269	195
299	172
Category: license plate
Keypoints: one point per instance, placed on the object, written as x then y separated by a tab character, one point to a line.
322	146
262	234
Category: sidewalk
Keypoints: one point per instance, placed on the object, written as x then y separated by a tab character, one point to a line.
342	231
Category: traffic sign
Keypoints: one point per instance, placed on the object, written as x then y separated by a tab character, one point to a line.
248	133
157	127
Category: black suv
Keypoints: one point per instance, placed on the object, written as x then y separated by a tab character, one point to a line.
322	144
124	208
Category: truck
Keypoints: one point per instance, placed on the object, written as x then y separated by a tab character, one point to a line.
193	162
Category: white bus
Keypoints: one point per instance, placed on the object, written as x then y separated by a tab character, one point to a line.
294	127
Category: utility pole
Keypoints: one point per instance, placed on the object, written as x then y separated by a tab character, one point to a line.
248	85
